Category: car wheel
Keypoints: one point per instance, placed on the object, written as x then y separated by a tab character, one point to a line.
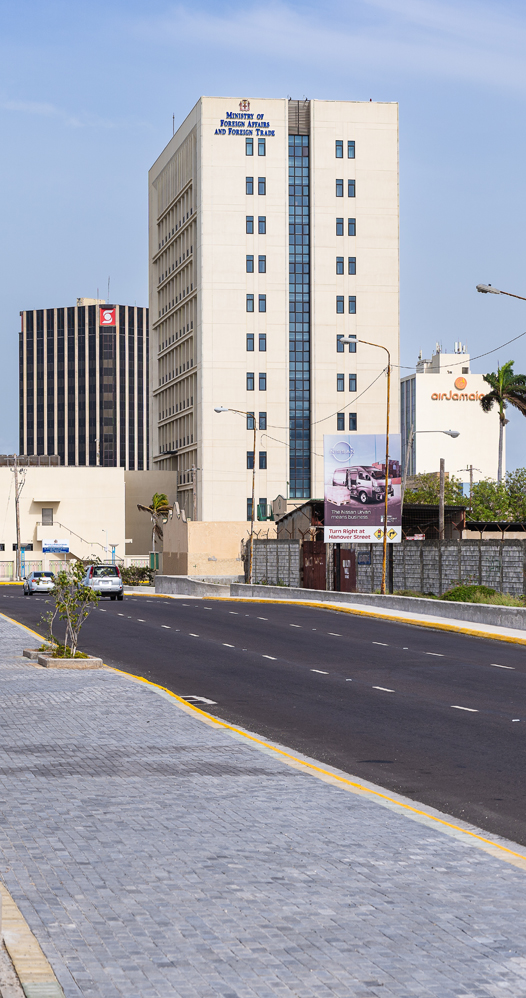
113	597
120	596
363	498
26	593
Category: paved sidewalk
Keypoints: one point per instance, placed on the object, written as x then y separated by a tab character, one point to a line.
155	856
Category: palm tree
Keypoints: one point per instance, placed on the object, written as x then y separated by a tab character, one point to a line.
160	511
507	388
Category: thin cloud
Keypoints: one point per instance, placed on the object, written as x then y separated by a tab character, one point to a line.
51	111
482	43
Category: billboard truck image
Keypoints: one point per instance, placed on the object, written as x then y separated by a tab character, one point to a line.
355	483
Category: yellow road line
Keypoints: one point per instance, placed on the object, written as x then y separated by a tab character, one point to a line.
518	859
434	625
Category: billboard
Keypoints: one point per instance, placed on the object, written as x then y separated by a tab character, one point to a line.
354	492
55	546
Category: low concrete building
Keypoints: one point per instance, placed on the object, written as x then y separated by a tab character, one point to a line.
205	548
91	511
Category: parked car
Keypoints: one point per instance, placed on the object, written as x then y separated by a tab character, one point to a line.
39	582
366	484
106	580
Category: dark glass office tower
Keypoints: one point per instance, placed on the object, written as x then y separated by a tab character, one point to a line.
299	304
89	400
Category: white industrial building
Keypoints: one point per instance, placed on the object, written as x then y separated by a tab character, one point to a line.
442	395
273	232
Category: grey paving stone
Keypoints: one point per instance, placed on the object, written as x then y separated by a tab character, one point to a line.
154	856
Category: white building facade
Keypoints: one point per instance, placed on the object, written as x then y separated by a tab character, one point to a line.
442	395
273	234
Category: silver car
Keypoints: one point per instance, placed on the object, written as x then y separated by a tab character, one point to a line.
39	582
105	580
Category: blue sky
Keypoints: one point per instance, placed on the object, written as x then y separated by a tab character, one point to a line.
87	93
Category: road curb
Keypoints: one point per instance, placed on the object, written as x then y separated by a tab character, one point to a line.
435	625
32	967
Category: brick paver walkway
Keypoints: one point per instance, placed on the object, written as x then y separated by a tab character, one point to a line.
154	856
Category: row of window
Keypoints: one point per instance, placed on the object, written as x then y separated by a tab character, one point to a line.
353	421
262	264
351	226
262	185
262	420
351	149
262	460
249	147
262	225
340	299
262	303
351	188
262	342
351	264
262	382
340	347
340	304
340	383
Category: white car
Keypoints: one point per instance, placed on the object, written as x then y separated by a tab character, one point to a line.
106	580
39	582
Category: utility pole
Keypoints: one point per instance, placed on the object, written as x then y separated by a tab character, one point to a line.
471	469
441	499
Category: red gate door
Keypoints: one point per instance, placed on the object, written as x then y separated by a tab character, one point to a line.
314	564
347	571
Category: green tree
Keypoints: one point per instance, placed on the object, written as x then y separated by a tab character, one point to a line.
160	511
72	602
425	490
507	388
516	489
490	500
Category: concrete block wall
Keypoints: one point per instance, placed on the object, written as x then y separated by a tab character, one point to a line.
435	567
276	561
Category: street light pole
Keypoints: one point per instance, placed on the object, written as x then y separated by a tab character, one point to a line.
241	412
386	505
441	499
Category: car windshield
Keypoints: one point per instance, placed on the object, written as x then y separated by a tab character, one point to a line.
377	474
102	571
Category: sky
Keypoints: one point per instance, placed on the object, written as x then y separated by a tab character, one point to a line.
87	94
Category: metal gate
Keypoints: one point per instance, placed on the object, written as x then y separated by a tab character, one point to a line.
314	564
347	580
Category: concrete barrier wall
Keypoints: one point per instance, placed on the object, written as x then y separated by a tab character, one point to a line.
184	585
500	616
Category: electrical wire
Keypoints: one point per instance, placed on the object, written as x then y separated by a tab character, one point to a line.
274	426
478	356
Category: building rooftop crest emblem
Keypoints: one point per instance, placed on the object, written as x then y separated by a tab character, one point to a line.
244	105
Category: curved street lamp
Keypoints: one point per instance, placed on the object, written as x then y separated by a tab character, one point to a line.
488	289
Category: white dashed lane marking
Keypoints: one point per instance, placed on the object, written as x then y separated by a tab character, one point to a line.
333	634
436	654
193	635
227	646
383	643
472	710
166	626
384	688
497	666
321	672
273	657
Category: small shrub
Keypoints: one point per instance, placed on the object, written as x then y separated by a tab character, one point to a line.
412	592
467	593
137	575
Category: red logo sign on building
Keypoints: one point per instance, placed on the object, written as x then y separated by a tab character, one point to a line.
244	105
107	317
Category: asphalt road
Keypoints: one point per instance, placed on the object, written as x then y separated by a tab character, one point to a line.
436	716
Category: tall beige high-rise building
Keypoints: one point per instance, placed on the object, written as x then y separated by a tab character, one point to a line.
273	234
